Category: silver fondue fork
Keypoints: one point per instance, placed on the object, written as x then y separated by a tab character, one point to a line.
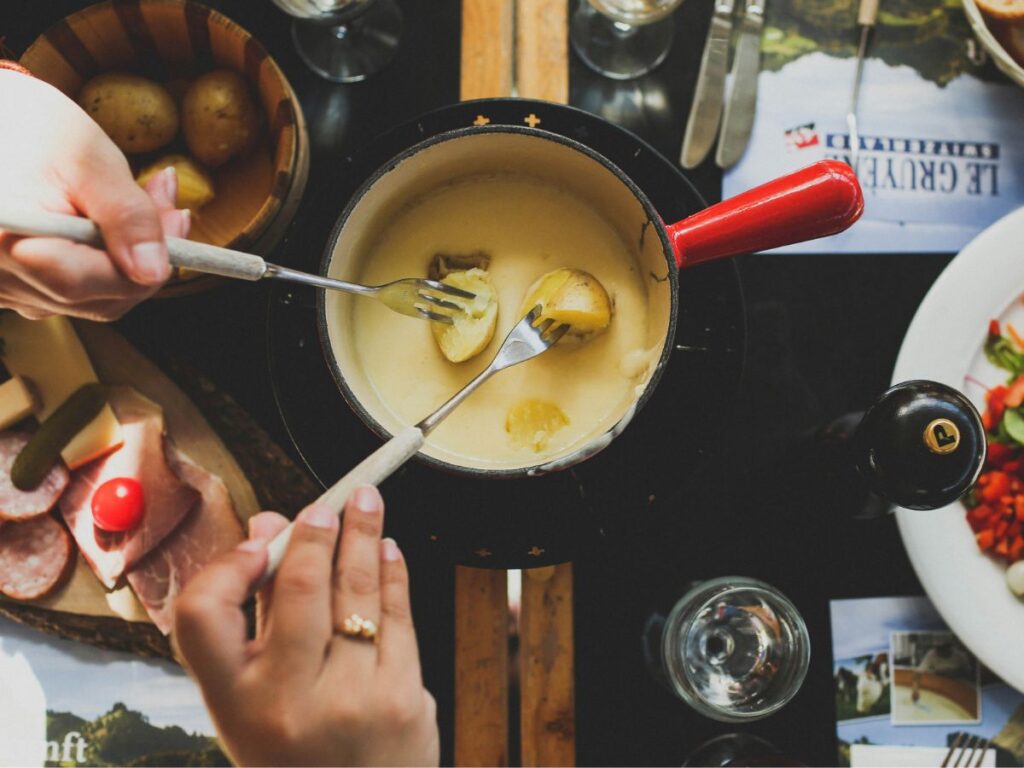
415	297
524	342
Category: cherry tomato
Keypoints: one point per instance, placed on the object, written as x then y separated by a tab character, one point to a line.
117	505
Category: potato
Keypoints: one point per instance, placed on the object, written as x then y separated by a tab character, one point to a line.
195	187
572	297
219	118
137	114
532	423
473	329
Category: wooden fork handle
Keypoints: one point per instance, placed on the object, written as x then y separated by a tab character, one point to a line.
188	254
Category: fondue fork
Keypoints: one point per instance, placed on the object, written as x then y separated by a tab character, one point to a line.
412	296
524	342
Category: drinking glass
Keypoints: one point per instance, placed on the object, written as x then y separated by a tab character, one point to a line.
735	649
344	40
623	39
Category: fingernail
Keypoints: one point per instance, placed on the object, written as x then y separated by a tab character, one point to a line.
151	261
170	184
389	550
367	499
252	545
319	517
186	221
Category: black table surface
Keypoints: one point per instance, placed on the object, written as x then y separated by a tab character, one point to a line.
823	333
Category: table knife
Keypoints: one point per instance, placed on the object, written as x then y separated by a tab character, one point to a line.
867	14
738	119
706	110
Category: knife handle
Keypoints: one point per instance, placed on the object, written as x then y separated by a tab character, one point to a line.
867	14
819	200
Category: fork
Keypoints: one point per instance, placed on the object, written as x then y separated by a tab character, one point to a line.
526	340
959	748
415	297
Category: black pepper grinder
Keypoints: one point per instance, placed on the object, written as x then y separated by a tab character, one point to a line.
920	446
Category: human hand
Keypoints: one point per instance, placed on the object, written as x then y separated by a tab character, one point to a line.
302	692
55	157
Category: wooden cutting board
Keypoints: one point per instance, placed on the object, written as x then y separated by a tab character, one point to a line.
82	608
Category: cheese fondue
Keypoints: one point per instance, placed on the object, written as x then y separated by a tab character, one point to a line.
528	227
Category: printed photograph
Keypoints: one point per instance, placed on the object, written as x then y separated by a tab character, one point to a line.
862	686
935	679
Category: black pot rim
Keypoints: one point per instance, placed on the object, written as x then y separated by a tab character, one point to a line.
652	215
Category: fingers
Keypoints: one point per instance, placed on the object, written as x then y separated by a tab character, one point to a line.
163	189
128	218
264	527
298	627
399	654
68	273
209	624
357	572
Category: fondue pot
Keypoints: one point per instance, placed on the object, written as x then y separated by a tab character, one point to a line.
820	200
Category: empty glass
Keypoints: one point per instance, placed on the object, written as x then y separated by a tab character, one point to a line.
345	40
623	39
733	648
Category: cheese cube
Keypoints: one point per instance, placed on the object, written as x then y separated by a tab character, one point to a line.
16	401
49	354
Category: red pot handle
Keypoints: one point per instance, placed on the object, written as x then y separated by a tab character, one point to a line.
816	201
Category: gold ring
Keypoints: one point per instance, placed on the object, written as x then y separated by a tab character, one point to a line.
358	628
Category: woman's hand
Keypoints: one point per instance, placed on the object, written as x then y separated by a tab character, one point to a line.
303	692
54	157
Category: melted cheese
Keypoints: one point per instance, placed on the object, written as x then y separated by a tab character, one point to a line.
528	227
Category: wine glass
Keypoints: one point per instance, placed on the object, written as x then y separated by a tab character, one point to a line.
623	39
344	40
735	649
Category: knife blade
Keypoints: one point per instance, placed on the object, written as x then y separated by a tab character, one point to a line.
706	110
867	15
738	119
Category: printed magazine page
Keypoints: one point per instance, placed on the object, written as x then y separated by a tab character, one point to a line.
70	704
942	150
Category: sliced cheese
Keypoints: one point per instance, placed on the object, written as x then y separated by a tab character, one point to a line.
48	353
16	401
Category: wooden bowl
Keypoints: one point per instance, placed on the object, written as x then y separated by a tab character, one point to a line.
174	41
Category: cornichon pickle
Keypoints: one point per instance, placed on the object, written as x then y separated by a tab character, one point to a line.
43	450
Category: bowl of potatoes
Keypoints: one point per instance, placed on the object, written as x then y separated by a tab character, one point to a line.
174	83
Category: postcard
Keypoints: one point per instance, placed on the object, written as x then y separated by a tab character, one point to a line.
905	682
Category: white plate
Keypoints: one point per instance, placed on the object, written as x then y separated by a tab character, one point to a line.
1003	59
944	343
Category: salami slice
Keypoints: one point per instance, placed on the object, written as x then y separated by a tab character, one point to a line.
18	505
35	555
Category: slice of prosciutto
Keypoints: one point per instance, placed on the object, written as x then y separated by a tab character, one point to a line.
168	499
23	505
35	556
210	529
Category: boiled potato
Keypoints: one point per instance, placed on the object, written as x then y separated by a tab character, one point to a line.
195	187
532	423
219	118
137	114
443	264
473	329
572	297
